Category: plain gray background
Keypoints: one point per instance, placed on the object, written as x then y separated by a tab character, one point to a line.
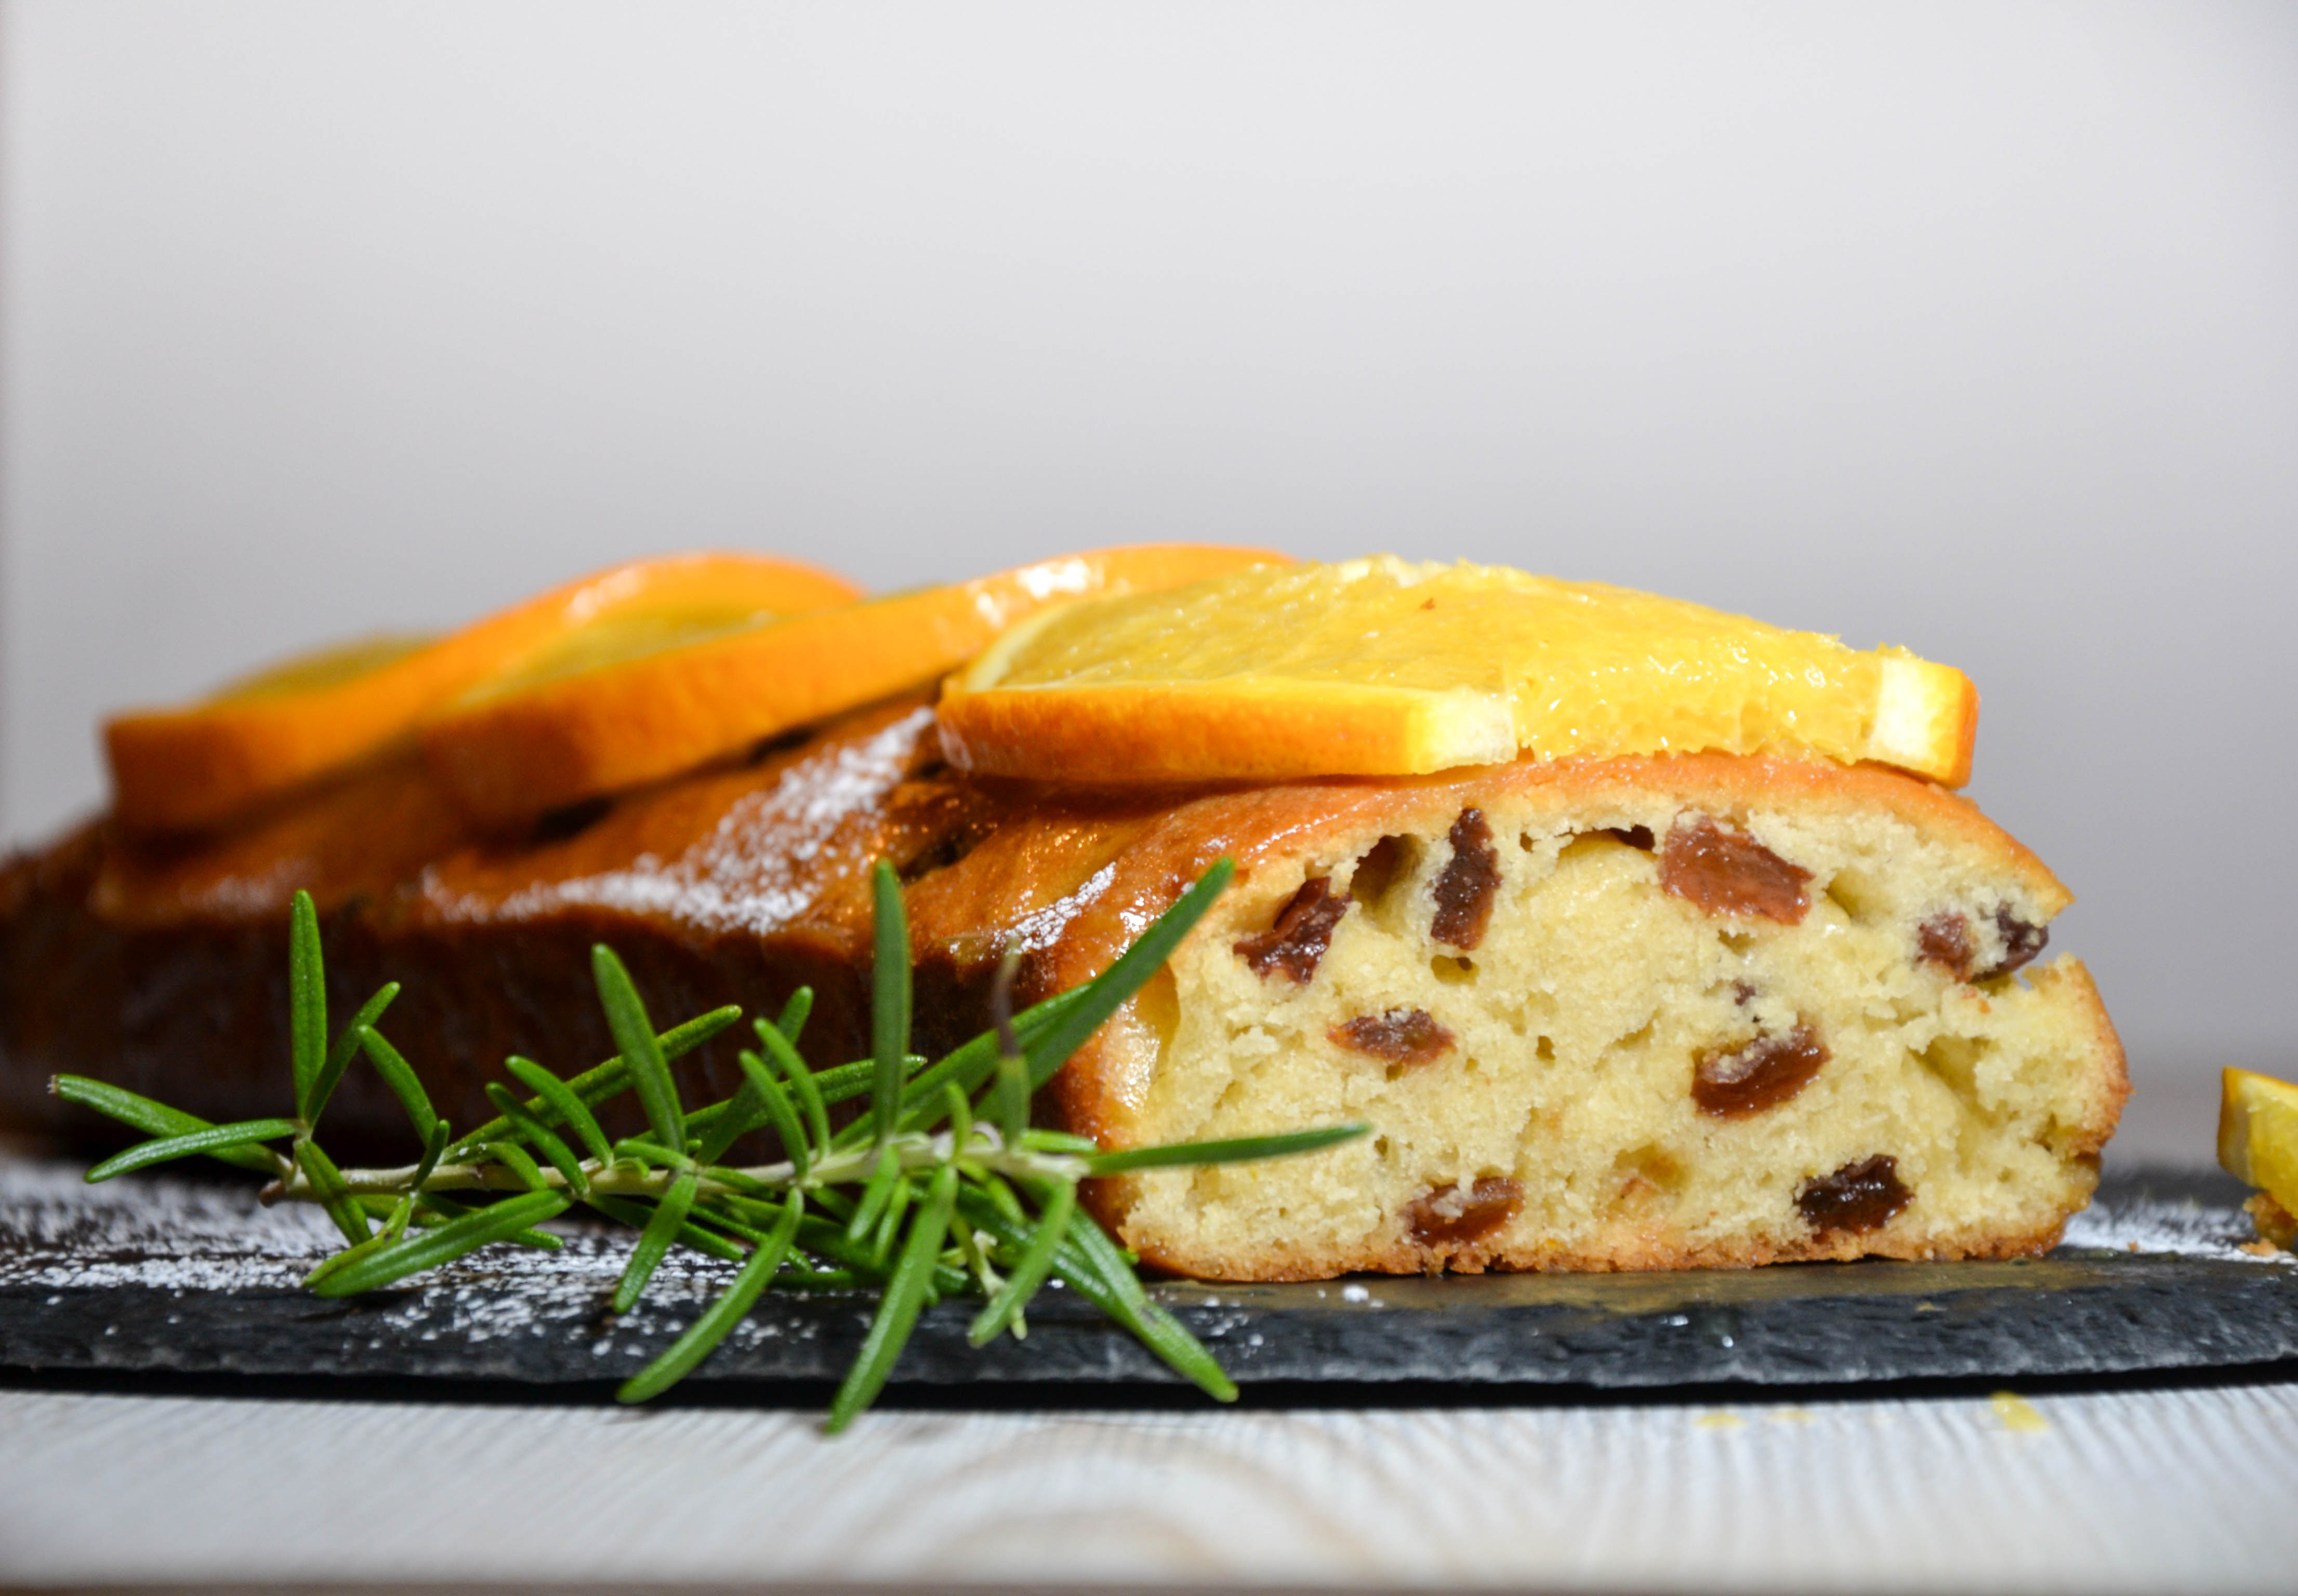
1972	328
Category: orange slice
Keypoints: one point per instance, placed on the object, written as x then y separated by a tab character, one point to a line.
1380	668
2258	1134
582	720
195	766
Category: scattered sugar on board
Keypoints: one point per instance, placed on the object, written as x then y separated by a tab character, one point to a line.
184	1236
2155	1225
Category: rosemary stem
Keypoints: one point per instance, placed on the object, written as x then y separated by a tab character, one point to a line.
984	1150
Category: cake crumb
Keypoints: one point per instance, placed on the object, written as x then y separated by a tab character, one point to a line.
2017	1413
2277	1230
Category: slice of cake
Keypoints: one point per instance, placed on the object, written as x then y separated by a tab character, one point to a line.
1623	1014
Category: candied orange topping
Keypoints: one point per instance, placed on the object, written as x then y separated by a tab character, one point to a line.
2258	1134
1381	667
207	761
591	717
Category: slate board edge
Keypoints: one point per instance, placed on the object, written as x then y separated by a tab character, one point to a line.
2192	1316
2109	1316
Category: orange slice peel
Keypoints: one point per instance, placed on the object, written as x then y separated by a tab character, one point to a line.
581	724
204	763
1380	668
2258	1141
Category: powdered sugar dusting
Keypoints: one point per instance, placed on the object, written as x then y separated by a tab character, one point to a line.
753	873
1042	928
180	1239
61	1232
2185	1226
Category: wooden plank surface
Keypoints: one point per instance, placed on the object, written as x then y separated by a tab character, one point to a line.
2184	1489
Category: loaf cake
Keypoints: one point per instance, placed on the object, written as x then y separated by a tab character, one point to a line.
1629	1013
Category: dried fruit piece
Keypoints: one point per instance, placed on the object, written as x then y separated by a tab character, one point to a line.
1945	939
1304	930
1461	1214
1725	871
1463	891
1762	1074
2021	940
1860	1196
1408	1036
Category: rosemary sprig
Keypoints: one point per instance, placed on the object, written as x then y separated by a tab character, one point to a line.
938	1188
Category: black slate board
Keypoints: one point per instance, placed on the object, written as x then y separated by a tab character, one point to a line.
183	1277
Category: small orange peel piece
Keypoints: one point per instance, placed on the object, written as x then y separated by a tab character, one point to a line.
2258	1134
1376	667
204	763
582	723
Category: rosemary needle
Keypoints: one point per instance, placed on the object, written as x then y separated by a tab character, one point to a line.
876	1196
889	999
898	1310
626	1017
655	1240
793	1018
637	1215
561	1104
306	1002
1037	1262
435	1149
446	1210
516	1159
776	1105
327	1184
701	1338
210	1138
780	1048
1241	1149
412	1255
157	1119
1121	980
400	1077
540	1137
339	1055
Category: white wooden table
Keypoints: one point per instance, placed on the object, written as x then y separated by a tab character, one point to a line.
2186	1489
